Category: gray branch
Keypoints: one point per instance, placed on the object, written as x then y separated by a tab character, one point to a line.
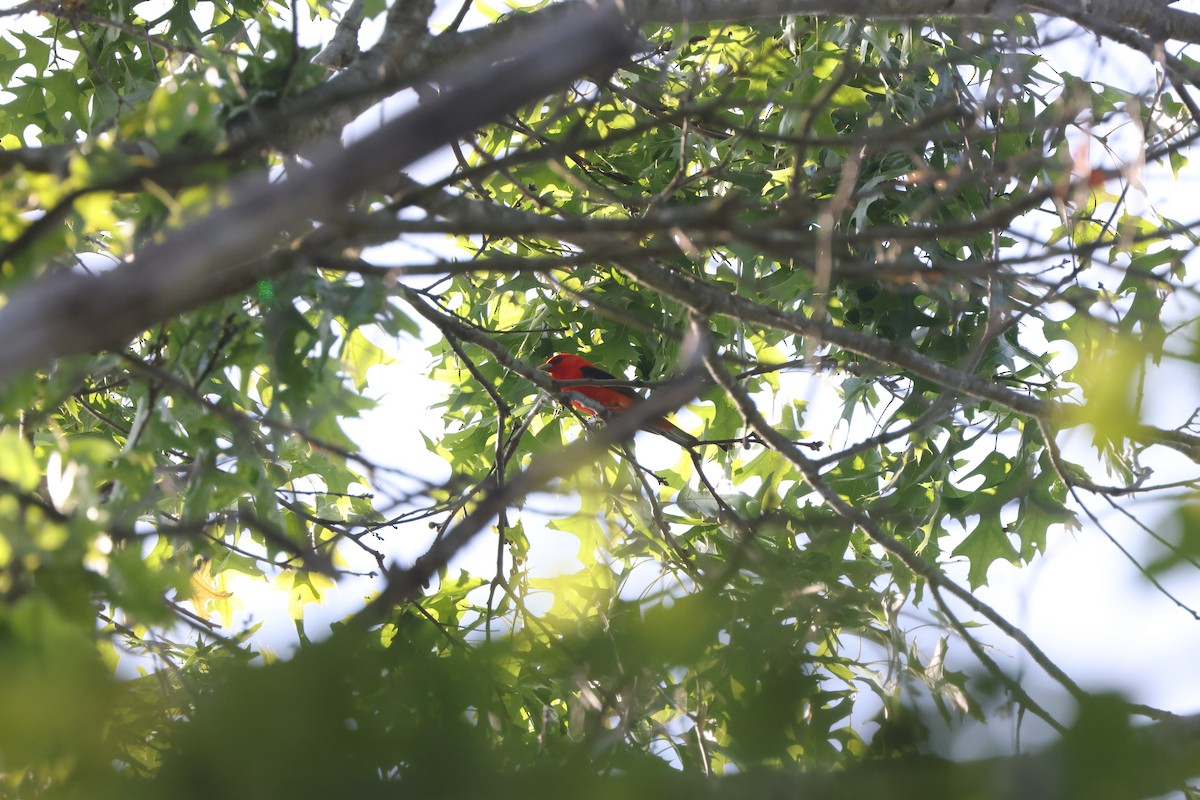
67	313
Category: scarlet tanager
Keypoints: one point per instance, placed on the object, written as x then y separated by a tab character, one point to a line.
616	399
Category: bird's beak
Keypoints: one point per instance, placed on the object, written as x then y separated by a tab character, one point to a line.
544	368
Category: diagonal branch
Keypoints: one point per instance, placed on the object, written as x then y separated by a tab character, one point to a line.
708	299
68	313
918	566
405	585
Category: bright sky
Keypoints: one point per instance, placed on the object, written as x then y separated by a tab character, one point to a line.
1083	602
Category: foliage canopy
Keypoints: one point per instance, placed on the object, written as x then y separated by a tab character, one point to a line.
913	237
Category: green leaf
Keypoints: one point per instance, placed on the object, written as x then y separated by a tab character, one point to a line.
17	463
359	354
986	543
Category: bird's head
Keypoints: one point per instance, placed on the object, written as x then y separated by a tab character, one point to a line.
564	366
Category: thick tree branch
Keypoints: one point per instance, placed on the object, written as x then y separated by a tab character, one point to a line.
342	48
68	313
406	53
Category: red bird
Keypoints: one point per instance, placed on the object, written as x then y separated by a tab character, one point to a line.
569	367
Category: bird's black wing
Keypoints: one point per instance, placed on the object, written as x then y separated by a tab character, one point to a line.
598	374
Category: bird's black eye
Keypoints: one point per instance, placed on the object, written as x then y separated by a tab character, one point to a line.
555	360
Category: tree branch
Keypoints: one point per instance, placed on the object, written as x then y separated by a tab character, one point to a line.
405	585
68	313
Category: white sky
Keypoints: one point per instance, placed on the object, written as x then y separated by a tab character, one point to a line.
1083	603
